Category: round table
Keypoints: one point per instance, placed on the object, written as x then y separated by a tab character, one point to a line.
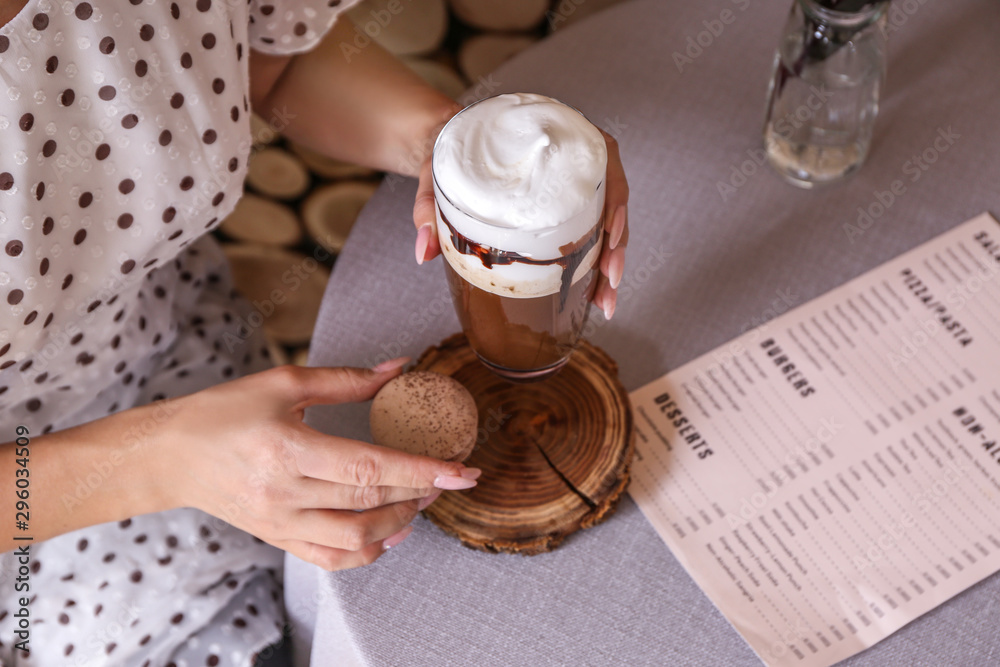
718	244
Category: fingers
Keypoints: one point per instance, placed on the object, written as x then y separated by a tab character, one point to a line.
331	559
324	385
612	260
318	494
605	297
355	463
425	217
613	265
351	531
616	196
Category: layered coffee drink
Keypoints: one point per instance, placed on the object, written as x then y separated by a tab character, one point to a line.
519	189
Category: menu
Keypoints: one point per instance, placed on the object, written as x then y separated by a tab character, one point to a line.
832	475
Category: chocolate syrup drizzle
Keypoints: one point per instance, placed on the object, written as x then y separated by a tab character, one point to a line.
491	257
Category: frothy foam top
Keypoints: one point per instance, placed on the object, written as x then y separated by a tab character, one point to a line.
520	162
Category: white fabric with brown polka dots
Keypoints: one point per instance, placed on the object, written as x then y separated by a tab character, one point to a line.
124	137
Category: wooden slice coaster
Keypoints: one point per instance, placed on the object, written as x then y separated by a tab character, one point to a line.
555	454
274	172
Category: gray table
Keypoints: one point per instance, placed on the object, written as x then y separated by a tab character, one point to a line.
700	270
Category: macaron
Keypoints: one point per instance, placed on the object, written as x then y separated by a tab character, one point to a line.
425	413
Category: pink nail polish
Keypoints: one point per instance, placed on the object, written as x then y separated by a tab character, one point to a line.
426	502
471	473
609	305
394	540
449	483
423	240
616	267
617	227
391	365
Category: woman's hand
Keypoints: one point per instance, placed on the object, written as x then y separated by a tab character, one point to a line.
612	261
240	451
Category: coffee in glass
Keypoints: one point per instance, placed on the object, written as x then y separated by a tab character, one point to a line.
519	184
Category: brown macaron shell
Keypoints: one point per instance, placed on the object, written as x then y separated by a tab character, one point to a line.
425	413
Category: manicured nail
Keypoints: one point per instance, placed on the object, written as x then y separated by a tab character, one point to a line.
391	365
471	473
609	305
449	483
617	227
616	267
423	240
426	502
393	540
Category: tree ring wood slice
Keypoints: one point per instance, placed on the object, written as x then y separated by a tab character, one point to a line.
555	454
329	212
416	27
261	131
328	168
287	312
274	172
439	76
481	54
262	220
494	15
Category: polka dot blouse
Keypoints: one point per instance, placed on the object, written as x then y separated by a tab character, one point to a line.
124	137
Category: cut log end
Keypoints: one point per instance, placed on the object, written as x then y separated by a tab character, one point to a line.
261	132
413	28
438	75
300	357
500	16
259	220
555	454
482	54
274	172
330	211
328	168
287	315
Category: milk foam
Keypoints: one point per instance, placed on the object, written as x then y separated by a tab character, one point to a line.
521	173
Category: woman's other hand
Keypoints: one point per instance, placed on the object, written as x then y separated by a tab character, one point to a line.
241	452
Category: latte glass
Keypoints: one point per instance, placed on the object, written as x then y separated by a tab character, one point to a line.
522	296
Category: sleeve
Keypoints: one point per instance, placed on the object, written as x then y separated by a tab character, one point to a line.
287	27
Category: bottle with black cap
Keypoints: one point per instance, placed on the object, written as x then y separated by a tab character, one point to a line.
824	92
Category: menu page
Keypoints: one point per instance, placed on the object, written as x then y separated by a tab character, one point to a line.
835	473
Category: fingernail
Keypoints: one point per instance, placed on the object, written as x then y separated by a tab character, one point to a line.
393	540
616	267
609	305
390	365
423	239
471	473
426	502
449	483
617	227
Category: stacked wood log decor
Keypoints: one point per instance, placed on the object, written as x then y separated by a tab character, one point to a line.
301	205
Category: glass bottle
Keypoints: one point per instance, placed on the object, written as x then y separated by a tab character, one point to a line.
824	92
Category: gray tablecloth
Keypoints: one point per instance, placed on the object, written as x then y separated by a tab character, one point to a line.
703	265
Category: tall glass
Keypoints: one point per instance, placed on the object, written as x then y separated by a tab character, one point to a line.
522	295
